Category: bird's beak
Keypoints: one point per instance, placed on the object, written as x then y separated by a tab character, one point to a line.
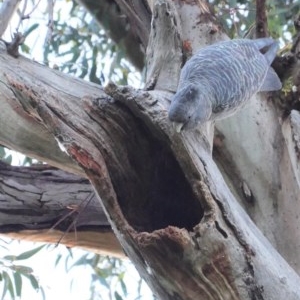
178	126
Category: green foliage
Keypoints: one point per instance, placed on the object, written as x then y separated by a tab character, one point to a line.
4	156
12	274
24	47
110	273
83	48
24	255
7	155
239	16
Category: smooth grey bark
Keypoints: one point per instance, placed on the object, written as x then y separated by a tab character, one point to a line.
164	196
259	161
161	74
7	9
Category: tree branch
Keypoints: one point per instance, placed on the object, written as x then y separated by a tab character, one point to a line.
42	203
139	16
7	10
117	27
261	19
161	74
219	208
164	195
24	133
256	153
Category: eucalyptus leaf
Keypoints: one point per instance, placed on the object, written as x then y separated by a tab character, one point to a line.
18	283
27	254
118	296
8	285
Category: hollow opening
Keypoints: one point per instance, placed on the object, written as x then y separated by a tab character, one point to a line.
161	195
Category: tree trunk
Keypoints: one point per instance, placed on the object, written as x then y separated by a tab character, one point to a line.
164	196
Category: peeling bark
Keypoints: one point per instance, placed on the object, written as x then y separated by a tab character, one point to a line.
167	202
176	217
222	218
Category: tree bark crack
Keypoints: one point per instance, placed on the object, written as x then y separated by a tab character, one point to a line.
238	234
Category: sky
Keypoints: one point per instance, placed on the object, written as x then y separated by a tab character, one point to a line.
59	284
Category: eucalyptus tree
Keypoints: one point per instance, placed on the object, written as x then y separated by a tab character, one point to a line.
209	213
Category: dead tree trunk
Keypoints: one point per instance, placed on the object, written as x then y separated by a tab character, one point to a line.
163	194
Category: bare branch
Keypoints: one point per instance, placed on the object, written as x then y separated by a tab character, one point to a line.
7	10
50	22
41	203
261	19
30	136
104	243
116	24
164	63
13	46
22	14
138	16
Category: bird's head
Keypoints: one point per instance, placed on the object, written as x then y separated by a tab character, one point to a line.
189	107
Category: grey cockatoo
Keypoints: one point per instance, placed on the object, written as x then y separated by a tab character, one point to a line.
219	79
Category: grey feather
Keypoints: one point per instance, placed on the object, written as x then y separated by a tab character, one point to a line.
219	79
